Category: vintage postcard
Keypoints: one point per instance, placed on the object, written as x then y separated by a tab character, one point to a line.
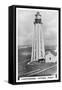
37	55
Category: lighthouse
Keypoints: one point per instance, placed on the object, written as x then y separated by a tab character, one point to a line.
38	49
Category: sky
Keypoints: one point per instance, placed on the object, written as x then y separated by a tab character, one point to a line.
25	22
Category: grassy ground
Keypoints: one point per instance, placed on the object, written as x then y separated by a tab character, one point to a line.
35	68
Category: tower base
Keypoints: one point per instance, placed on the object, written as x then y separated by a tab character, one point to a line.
39	61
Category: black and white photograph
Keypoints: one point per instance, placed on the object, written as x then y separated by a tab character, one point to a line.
37	49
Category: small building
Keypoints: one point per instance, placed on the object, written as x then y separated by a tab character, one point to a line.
51	56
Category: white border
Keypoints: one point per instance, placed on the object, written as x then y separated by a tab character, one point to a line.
16	45
40	78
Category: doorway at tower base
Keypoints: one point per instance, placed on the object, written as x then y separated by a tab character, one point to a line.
41	60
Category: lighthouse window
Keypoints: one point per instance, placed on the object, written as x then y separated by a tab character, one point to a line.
50	58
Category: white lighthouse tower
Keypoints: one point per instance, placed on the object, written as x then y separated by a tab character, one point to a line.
38	50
